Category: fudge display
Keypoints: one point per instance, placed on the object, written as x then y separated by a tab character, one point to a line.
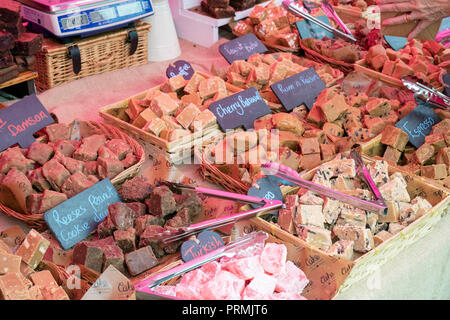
177	108
344	231
427	60
34	180
335	48
225	8
261	273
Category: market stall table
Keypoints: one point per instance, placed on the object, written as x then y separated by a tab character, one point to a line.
420	272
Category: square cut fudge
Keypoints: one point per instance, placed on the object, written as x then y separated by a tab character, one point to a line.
394	137
144	117
342	249
310	215
395	190
164	105
40	152
33	248
363	239
315	236
155	126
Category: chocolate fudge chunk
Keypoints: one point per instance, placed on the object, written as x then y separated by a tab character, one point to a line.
126	240
9	73
9	11
6	60
136	189
28	44
218	3
6	42
240	5
140	260
121	215
112	254
218	12
89	255
161	202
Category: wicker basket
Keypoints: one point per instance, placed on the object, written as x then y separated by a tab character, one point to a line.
314	55
37	221
100	53
367	263
176	151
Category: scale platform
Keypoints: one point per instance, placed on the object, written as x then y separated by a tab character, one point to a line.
67	18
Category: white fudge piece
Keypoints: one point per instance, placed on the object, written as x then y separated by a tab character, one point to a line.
419	207
362	237
395	228
310	215
331	210
352	217
379	172
342	249
310	198
381	237
314	236
395	190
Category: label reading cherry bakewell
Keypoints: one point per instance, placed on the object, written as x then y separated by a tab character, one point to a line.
241	48
239	109
21	120
419	123
73	220
301	88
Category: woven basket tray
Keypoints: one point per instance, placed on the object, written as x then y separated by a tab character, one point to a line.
37	221
100	53
341	65
362	267
175	151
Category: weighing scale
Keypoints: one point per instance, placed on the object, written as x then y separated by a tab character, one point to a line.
67	18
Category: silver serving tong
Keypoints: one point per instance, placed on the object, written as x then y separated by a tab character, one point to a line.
427	94
378	206
175	234
144	288
302	12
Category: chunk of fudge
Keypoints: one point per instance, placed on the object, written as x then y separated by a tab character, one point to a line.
334	108
393	212
136	189
89	255
418	207
19	186
27	44
138	208
106	228
14	158
106	153
191	86
34	203
9	73
173	84
12	287
174	134
51	199
147	238
119	147
434	171
424	153
74	166
89	148
144	117
352	217
391	154
121	215
311	199
75	184
315	236
55	173
381	237
54	293
203	120
342	249
363	239
40	152
109	168
126	240
129	161
310	215
58	131
164	105
66	147
377	107
395	228
287	122
161	202
140	260
394	137
147	220
395	190
193	203
155	126
113	255
9	263
33	248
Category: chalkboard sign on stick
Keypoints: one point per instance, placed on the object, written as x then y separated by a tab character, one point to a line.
241	48
239	109
180	67
21	120
206	242
301	88
74	219
267	189
419	123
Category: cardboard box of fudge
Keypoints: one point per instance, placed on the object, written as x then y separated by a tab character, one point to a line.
63	162
337	245
173	117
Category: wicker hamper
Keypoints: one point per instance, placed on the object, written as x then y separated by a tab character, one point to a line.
100	53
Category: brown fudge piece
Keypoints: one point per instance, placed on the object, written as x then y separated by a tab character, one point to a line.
203	120
119	147
381	237
89	148
334	108
147	238
424	153
136	189
34	203
28	44
434	171
161	202
66	147
9	263
19	186
121	215
174	84
181	219
130	160
187	115
392	154
9	73
138	208
12	287
113	255
109	168
106	153
378	107
55	173
192	84
106	228
33	248
51	199
394	137
43	279
89	255
288	122
58	131
164	105
14	158
40	152
140	260
144	117
141	223
75	184
126	240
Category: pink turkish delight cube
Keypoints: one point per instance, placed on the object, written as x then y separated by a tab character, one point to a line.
260	288
291	279
224	286
273	257
245	268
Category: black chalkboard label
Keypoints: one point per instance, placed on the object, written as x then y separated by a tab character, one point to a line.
267	189
21	120
239	109
241	48
74	219
206	242
301	88
419	123
180	67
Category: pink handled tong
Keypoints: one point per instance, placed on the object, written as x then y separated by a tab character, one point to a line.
266	206
378	206
144	289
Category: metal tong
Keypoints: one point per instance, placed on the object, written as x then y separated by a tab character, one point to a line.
171	235
144	288
427	94
302	12
378	206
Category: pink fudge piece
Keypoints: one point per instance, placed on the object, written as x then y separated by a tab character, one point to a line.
166	290
291	279
287	296
245	268
261	287
225	286
273	257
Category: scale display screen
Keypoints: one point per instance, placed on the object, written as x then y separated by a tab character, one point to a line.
102	15
129	8
74	21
